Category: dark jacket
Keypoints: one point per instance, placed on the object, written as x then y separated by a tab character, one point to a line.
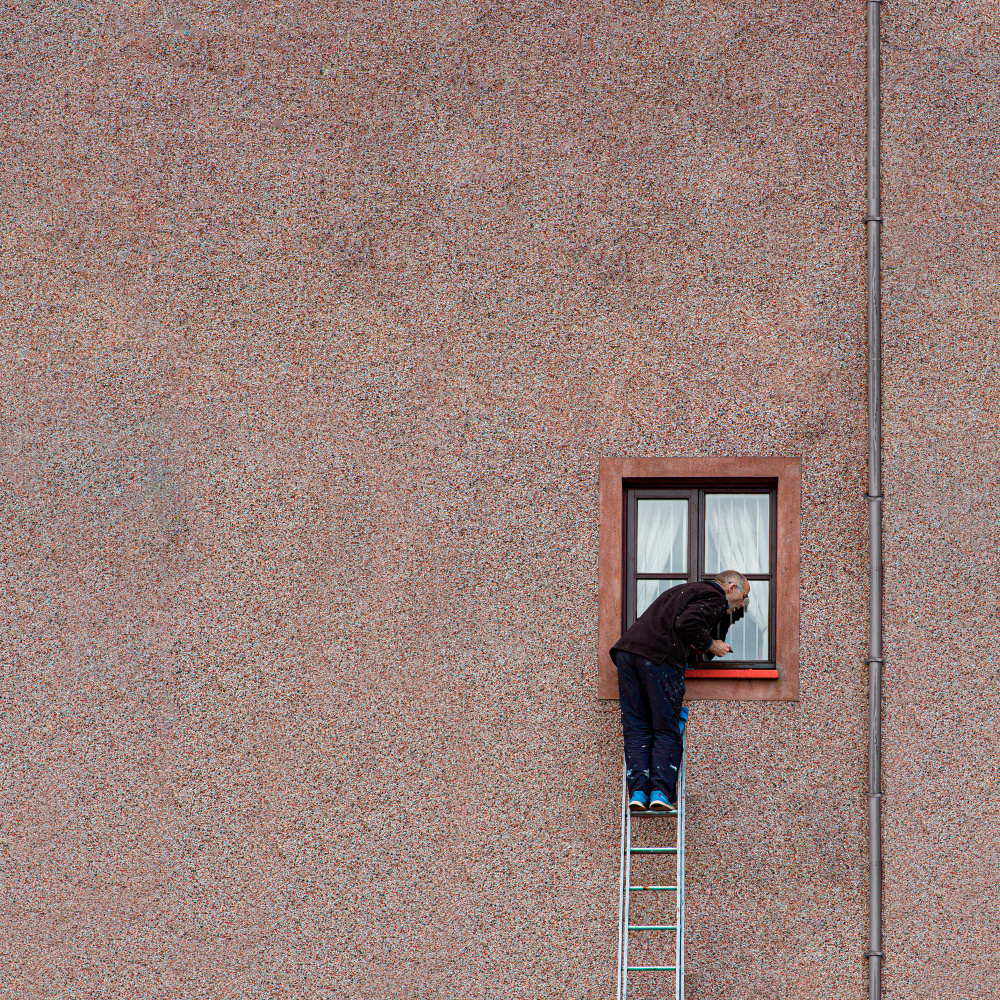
678	619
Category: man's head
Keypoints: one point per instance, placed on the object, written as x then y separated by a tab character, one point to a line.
736	587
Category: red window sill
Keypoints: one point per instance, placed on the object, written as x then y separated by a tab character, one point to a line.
757	675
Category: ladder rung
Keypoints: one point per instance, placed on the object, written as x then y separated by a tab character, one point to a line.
672	811
652	850
652	968
652	888
652	927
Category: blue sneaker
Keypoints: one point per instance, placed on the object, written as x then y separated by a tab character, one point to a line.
660	802
638	802
684	718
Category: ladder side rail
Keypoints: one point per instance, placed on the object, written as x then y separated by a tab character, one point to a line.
681	817
628	892
622	880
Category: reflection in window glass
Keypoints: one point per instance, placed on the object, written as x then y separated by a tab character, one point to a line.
661	536
737	533
647	591
748	636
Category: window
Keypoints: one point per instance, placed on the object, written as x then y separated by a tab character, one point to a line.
667	521
677	535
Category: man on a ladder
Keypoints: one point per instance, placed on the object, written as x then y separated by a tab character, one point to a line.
651	657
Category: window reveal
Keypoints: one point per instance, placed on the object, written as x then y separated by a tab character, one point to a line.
667	521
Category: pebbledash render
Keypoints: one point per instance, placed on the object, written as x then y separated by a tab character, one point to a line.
342	346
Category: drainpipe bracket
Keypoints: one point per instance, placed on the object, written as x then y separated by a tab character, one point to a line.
874	954
874	496
873	218
874	659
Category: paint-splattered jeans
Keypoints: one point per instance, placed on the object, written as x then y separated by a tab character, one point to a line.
650	696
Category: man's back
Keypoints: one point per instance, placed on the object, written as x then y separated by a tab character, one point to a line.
678	619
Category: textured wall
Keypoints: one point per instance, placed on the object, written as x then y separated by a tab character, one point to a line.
315	322
941	308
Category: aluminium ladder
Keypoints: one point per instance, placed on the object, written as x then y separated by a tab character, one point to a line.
626	888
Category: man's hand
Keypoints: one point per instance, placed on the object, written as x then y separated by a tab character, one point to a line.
718	648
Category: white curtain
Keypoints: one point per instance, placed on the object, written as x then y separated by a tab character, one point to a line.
661	536
748	636
737	536
737	532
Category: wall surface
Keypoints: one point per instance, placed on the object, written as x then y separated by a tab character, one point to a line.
316	320
941	309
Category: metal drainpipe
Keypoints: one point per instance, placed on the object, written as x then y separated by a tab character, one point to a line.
873	226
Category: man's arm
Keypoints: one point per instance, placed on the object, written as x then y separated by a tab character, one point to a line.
693	625
718	648
719	645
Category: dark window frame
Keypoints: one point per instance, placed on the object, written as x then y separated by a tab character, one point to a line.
695	494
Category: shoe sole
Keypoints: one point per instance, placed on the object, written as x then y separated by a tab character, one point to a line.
637	807
662	807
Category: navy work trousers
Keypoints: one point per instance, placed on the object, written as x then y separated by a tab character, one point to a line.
650	696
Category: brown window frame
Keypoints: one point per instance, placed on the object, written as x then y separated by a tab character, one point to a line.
694	491
620	475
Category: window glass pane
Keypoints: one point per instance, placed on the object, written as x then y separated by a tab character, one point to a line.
661	536
748	636
737	532
647	591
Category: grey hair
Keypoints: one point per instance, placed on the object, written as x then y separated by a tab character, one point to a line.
728	576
